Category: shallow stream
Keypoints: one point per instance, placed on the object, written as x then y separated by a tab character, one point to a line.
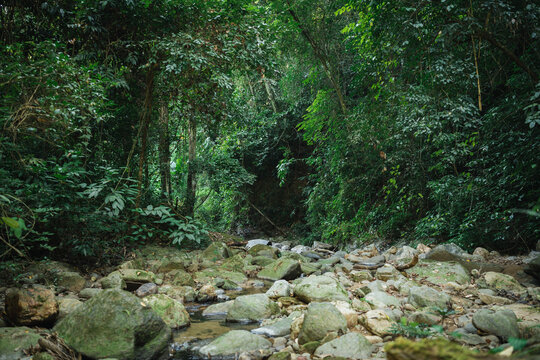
207	328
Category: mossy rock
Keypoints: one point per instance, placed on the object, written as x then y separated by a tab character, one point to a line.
264	250
432	349
287	269
13	340
282	355
216	251
172	312
234	263
115	324
311	346
179	278
440	273
207	275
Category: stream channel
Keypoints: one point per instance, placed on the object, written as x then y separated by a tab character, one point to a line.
204	329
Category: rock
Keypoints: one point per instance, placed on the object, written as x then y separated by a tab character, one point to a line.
387	272
405	255
172	312
280	288
381	300
462	336
216	251
481	252
488	297
70	280
347	310
14	340
261	261
281	327
179	278
440	273
422	248
308	269
299	249
206	293
134	278
114	324
218	309
320	288
252	243
168	264
183	294
33	306
377	322
207	275
424	296
432	349
146	289
264	250
235	342
360	275
452	252
351	346
282	355
89	292
285	268
113	281
320	319
250	308
422	317
497	281
66	306
501	323
533	267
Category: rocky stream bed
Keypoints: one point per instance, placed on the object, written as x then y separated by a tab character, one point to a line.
273	300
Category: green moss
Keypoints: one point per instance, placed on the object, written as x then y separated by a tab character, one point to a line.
431	349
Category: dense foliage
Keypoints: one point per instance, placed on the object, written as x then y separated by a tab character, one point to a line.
126	121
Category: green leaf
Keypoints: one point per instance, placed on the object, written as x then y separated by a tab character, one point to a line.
11	222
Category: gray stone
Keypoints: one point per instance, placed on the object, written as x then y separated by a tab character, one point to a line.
320	288
284	268
281	327
70	280
279	289
497	281
501	323
387	272
172	312
424	296
218	309
319	320
382	300
235	342
351	346
423	317
251	308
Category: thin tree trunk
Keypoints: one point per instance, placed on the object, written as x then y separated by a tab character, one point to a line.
323	58
145	123
191	186
164	151
269	91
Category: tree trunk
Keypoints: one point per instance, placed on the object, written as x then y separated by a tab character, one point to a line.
145	123
191	186
323	58
269	91
164	151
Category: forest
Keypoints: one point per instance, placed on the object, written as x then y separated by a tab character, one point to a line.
130	122
269	179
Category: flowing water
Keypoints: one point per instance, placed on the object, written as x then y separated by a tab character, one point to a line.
204	329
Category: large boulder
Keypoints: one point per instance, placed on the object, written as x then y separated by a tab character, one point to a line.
351	346
377	322
172	312
426	297
184	294
66	306
320	288
251	308
235	342
285	268
497	281
280	288
179	278
452	252
264	250
501	323
282	327
70	280
33	306
208	275
319	320
381	300
14	340
218	309
440	273
114	324
216	251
